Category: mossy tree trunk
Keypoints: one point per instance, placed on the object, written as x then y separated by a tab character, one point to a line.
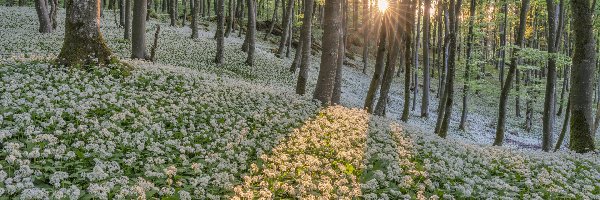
582	74
83	42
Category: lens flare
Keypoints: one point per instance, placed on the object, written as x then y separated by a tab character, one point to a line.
382	5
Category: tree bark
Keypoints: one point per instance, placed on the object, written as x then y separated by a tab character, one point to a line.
390	66
409	16
550	97
366	29
272	25
379	64
138	37
305	38
127	35
42	10
582	74
337	88
220	32
416	57
449	90
286	29
173	12
194	24
511	71
251	33
463	117
426	76
83	43
331	34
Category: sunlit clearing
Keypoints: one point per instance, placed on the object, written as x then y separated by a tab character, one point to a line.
382	5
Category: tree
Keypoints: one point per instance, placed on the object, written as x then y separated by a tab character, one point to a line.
331	34
511	71
195	13
138	37
251	33
379	64
366	30
173	12
127	35
390	67
463	118
43	13
550	97
446	108
502	51
219	35
426	76
83	43
286	29
305	38
409	16
272	25
337	88
416	56
582	74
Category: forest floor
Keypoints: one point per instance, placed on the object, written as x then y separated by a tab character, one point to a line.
184	128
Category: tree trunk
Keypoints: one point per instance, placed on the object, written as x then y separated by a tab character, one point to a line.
272	25
426	76
550	97
337	88
127	19
305	38
463	117
379	65
220	32
565	127
138	37
42	9
502	51
173	12
584	60
331	34
184	3
511	71
251	32
449	90
390	66
416	57
366	29
286	29
297	58
83	43
229	20
122	13
194	24
408	23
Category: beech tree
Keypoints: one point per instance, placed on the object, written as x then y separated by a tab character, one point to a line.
83	42
305	39
331	34
582	74
138	38
500	125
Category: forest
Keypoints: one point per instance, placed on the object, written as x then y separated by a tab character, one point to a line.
299	99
